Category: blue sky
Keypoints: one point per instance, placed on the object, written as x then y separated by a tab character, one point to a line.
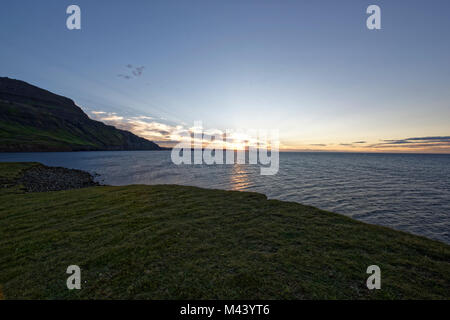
308	68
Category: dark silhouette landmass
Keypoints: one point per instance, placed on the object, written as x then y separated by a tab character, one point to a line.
33	119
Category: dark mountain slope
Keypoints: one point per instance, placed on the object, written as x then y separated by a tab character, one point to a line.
33	119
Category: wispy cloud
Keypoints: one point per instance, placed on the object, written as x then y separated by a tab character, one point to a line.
124	76
133	71
416	142
137	72
143	126
440	139
352	144
168	135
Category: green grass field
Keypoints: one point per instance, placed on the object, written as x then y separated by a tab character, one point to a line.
177	242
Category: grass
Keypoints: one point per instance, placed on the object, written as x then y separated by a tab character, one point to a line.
17	135
178	242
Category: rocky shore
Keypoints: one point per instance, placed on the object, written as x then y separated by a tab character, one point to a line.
41	178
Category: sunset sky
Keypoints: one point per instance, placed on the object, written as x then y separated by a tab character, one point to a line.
310	69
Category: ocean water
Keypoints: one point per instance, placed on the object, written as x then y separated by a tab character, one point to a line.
409	192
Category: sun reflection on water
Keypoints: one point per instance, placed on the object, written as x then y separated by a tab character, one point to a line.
239	177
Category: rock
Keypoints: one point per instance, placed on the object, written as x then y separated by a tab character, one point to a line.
43	179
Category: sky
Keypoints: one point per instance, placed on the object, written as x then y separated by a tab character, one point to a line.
310	69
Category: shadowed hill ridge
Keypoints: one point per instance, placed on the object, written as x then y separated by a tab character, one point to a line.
34	119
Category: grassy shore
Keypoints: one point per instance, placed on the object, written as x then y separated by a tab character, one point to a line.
177	242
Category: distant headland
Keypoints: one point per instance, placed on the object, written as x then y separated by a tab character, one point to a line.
36	120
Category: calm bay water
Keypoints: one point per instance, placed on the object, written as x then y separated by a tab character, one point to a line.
408	192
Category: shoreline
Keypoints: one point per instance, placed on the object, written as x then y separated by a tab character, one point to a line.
43	178
415	215
181	242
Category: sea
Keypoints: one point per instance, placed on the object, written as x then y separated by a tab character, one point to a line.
408	192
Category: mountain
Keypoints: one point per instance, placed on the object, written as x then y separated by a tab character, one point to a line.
34	119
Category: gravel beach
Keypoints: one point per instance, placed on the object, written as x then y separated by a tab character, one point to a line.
42	179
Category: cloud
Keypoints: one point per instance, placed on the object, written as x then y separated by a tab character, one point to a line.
143	117
144	126
112	117
137	72
124	76
133	72
168	135
437	142
419	139
415	144
352	144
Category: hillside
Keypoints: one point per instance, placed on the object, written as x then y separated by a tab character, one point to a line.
179	242
33	119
